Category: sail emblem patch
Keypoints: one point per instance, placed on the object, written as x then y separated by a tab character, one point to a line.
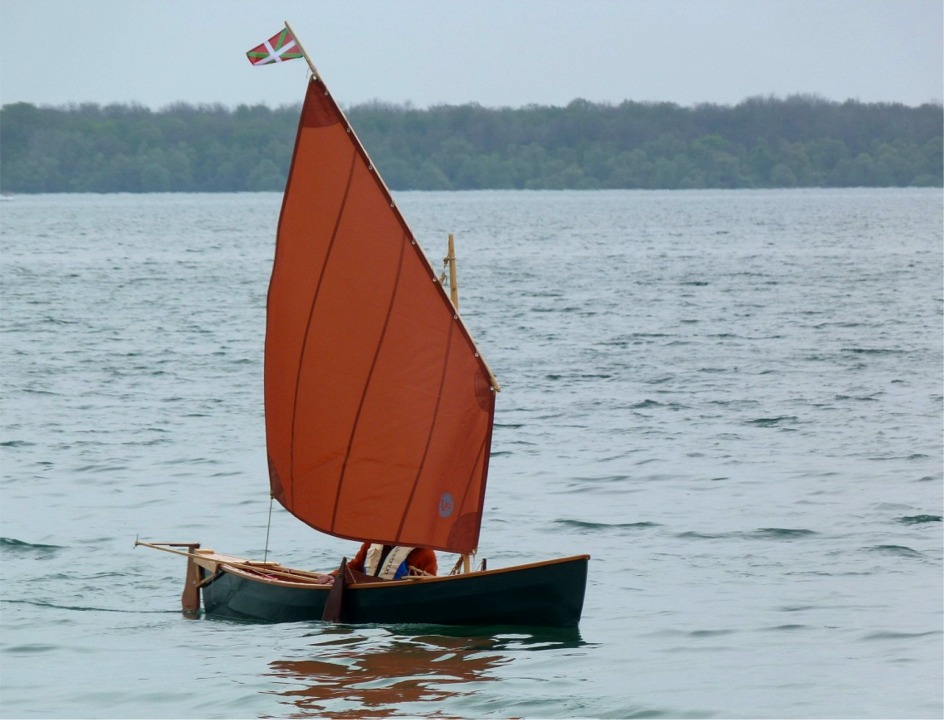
446	505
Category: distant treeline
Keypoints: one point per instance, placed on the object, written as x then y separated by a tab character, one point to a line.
762	142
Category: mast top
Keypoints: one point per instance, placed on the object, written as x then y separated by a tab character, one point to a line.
311	65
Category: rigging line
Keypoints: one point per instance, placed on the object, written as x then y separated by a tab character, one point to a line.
265	553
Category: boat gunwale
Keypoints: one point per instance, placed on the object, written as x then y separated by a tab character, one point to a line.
259	576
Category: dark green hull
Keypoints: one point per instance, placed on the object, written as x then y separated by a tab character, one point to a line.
546	594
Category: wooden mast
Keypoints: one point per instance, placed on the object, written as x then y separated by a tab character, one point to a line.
450	260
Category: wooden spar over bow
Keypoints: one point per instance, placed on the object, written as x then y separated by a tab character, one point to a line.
193	552
190	597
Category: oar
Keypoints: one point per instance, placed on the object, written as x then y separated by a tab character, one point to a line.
334	605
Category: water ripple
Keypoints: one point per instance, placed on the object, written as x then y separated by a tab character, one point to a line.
742	429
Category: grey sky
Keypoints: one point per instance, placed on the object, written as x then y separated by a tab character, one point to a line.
497	53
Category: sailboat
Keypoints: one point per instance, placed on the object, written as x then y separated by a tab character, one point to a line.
379	410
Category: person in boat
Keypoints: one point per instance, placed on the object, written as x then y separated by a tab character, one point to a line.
390	562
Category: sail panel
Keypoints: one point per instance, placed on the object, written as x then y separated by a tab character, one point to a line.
378	408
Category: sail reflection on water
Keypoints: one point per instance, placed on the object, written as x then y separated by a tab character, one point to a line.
353	675
377	682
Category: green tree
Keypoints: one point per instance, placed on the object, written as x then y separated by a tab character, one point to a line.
768	142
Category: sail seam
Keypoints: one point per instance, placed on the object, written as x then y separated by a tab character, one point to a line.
429	436
367	385
311	314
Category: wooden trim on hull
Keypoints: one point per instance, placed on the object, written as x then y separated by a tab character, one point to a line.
543	594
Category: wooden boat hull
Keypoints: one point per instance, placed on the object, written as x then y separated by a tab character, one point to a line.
545	594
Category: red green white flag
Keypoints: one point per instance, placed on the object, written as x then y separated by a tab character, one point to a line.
278	48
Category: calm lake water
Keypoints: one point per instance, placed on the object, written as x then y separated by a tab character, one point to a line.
731	400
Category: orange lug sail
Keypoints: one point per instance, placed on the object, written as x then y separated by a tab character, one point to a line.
379	408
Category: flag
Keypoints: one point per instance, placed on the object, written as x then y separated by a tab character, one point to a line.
278	48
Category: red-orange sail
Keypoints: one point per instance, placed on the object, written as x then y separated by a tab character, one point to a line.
378	407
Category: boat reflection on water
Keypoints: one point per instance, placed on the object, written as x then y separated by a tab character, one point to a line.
350	674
